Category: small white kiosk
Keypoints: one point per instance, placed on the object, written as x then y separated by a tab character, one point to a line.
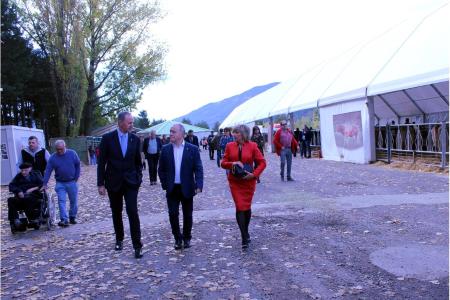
13	140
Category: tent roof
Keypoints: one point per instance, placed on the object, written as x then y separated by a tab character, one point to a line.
410	54
423	58
258	107
164	128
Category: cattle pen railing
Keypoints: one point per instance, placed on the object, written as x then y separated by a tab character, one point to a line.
427	143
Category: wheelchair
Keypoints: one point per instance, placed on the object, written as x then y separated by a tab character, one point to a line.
28	217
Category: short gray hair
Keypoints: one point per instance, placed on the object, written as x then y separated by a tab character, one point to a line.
244	130
181	127
60	143
122	115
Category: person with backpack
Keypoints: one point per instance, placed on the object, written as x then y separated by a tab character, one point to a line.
211	145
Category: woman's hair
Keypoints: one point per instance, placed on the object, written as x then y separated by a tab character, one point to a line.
244	131
254	129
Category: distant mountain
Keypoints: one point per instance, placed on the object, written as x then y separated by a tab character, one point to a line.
218	111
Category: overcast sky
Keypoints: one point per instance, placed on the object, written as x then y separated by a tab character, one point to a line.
218	49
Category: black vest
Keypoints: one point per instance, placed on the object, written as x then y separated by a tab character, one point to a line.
38	161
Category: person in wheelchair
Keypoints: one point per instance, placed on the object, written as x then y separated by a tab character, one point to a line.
27	197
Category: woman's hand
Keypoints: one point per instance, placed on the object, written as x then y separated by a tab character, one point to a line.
249	176
240	164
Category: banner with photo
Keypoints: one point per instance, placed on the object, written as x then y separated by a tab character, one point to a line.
348	130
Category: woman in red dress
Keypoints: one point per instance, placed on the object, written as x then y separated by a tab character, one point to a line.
242	189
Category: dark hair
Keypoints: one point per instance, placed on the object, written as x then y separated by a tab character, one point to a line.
190	130
25	165
254	128
122	115
32	138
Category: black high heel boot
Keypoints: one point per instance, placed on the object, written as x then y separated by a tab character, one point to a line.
248	216
241	220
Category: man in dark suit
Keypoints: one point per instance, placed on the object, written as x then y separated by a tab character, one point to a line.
192	139
181	175
152	149
119	173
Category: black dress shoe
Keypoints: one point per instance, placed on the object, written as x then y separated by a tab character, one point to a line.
187	244
138	253
178	245
118	246
72	221
290	179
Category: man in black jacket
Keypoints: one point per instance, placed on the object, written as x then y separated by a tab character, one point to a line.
119	173
35	155
211	145
25	186
152	149
192	139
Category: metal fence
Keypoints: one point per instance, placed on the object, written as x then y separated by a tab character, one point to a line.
413	142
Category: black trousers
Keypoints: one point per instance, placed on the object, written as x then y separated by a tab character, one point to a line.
308	149
30	204
174	199
116	203
152	160
211	153
303	149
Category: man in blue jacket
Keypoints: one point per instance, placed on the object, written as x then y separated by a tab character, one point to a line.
181	174
66	164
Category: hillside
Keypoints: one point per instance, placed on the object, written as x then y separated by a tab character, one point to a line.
218	111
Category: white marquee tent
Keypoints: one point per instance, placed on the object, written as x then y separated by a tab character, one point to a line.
402	72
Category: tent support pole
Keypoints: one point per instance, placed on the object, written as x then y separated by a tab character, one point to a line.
390	107
291	120
389	141
443	144
270	135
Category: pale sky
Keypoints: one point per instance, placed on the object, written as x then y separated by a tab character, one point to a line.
218	49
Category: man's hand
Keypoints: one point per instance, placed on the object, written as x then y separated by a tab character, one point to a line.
20	194
32	190
102	190
198	191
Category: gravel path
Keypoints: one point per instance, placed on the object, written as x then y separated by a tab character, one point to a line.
323	236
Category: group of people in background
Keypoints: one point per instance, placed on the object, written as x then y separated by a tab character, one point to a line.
304	138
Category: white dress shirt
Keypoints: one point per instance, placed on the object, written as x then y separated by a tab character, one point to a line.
178	156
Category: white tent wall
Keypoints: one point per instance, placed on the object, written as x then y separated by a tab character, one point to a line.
346	131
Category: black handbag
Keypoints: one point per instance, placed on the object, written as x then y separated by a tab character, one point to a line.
238	171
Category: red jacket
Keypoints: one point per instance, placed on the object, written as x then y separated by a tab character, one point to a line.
277	142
